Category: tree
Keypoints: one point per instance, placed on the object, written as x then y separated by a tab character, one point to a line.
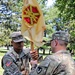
10	15
9	19
66	9
67	18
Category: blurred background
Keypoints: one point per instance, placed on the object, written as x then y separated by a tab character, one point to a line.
59	15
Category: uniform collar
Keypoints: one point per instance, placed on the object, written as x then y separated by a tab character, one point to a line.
62	51
18	55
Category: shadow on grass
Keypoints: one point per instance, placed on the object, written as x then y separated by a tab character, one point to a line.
3	51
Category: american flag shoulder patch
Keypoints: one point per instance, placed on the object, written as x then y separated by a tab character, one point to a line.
8	63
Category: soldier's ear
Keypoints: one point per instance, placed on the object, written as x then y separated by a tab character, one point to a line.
11	42
56	42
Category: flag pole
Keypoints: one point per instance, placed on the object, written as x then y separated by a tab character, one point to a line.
32	46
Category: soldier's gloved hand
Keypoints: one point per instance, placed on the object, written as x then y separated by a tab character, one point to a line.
34	54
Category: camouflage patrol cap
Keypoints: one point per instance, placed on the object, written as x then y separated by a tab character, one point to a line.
17	37
61	35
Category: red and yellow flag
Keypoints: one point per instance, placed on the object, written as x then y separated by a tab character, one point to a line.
33	24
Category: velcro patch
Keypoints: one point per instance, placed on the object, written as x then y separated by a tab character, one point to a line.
39	69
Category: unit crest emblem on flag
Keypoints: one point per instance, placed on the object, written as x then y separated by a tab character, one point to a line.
31	15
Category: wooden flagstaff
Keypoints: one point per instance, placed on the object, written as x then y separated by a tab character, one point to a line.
32	46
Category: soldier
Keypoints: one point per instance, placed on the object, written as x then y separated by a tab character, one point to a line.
60	62
16	61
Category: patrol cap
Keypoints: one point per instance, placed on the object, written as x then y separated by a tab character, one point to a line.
61	35
17	37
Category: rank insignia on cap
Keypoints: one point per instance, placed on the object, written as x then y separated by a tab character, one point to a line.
8	63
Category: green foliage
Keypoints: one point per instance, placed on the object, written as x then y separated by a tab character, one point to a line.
67	18
9	22
13	22
66	9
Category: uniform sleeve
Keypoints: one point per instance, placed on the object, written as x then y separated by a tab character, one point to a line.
41	69
46	67
10	68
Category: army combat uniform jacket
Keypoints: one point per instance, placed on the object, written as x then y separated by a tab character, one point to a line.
14	63
60	63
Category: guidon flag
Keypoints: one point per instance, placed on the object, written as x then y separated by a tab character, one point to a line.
33	24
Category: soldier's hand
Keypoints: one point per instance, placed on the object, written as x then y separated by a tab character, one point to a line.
25	72
33	62
34	54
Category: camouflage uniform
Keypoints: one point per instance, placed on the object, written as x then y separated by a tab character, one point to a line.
55	65
59	63
14	63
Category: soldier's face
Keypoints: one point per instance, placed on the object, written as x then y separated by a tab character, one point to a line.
18	45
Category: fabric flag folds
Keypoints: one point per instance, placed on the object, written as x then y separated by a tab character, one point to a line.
33	24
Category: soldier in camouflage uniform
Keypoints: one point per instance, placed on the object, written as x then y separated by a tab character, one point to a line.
16	61
60	62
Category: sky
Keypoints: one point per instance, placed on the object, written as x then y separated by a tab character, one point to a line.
50	2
